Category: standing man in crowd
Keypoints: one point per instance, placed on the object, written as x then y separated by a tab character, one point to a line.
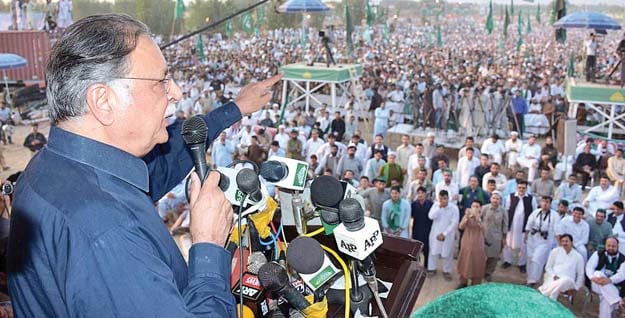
519	206
396	214
591	57
445	217
110	143
495	220
421	223
540	236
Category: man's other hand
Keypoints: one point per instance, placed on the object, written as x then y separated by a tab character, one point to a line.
254	96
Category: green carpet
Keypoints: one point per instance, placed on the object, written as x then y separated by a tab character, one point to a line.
493	300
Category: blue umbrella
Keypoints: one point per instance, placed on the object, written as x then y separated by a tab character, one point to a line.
9	61
303	6
588	20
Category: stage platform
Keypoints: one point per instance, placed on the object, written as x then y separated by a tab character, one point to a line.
601	98
580	91
319	72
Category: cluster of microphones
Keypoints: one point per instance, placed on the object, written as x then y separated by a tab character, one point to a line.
299	278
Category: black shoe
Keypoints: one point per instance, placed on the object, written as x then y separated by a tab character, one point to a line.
505	265
523	269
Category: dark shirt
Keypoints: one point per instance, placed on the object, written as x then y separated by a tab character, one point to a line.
28	142
480	171
266	122
467	196
434	161
86	240
421	224
586	159
338	126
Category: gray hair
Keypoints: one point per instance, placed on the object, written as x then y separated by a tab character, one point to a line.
92	50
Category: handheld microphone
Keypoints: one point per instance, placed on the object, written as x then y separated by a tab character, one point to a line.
253	292
285	173
308	259
357	236
194	132
327	192
274	278
248	182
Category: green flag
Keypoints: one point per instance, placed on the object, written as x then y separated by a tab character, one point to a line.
349	29
519	42
370	17
538	13
199	45
247	22
229	28
303	41
571	69
439	36
519	28
512	7
387	32
500	44
529	25
489	19
506	23
179	13
559	11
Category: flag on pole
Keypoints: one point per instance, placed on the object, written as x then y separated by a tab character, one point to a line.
559	11
349	28
519	28
370	17
179	13
229	28
519	43
538	13
439	36
199	45
247	22
500	44
512	7
506	23
489	19
387	32
571	69
529	24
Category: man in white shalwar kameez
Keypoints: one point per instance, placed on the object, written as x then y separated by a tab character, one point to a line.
601	196
519	206
606	269
564	270
445	217
513	148
540	235
578	228
466	167
528	158
494	148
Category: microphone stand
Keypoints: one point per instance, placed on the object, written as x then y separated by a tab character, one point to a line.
359	299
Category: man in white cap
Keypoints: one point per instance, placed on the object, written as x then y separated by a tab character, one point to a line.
429	145
513	148
281	137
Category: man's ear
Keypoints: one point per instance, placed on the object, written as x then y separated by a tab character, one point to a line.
101	100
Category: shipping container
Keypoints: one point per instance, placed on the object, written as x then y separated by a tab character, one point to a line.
34	46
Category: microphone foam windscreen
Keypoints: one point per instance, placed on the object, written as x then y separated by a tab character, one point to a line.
326	191
273	276
247	180
194	130
352	214
273	171
305	255
330	217
255	261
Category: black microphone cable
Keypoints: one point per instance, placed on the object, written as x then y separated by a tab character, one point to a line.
239	219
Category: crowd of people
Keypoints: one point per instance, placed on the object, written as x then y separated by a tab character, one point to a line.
56	14
503	199
507	200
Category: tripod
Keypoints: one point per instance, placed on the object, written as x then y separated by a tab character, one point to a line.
325	41
620	63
